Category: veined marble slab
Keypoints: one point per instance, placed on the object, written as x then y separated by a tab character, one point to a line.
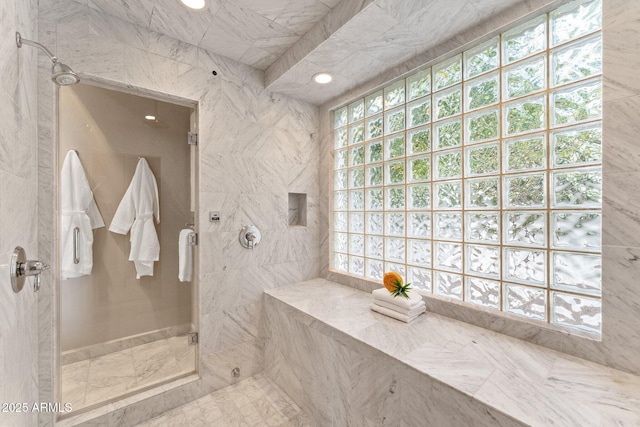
529	383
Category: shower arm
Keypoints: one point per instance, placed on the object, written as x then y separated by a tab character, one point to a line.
20	41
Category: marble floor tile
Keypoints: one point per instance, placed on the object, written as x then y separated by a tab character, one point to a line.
112	375
255	401
109	376
74	383
151	361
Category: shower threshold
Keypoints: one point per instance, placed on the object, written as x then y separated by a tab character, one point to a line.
255	401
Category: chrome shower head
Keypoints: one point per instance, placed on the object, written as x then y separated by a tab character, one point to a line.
61	74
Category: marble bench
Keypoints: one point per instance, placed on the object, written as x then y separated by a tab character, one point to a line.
346	365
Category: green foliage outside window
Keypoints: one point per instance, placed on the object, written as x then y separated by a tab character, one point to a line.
421	114
449	105
483	61
420	87
420	169
421	141
484	193
396	172
582	147
396	147
450	165
484	160
396	122
486	93
578	189
527	117
421	197
526	154
375	152
357	156
450	134
581	104
484	127
396	196
375	175
526	191
375	128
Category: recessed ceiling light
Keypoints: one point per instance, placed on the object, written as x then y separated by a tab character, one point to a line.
149	117
195	4
322	78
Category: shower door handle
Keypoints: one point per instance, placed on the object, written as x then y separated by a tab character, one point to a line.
76	245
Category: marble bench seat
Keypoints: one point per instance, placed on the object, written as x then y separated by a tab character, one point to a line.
347	365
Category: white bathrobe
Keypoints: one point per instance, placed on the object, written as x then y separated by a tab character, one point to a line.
136	211
78	210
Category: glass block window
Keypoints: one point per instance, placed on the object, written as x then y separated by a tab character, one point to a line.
479	178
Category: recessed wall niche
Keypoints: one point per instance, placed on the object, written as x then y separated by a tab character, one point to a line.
297	210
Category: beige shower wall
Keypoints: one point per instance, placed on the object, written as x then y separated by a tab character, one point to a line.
108	130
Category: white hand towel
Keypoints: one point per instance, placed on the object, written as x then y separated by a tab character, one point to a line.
394	314
383	294
185	256
417	310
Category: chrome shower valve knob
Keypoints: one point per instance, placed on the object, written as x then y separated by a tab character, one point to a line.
21	267
250	236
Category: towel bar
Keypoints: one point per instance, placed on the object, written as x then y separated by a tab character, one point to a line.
76	245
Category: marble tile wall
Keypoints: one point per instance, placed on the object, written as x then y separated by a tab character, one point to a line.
18	220
620	343
255	148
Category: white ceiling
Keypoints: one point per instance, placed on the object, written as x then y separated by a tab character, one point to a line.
293	39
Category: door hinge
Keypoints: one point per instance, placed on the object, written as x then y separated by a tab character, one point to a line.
192	138
193	338
193	239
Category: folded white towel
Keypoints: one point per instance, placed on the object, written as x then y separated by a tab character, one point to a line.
185	256
416	310
383	294
394	314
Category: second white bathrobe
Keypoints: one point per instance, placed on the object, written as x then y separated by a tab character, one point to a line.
79	211
135	212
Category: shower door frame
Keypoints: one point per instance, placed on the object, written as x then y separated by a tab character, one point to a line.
54	274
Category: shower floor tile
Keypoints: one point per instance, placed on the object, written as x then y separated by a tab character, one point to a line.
255	401
112	375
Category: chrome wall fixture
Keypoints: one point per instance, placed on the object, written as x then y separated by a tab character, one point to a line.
21	267
250	236
61	74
